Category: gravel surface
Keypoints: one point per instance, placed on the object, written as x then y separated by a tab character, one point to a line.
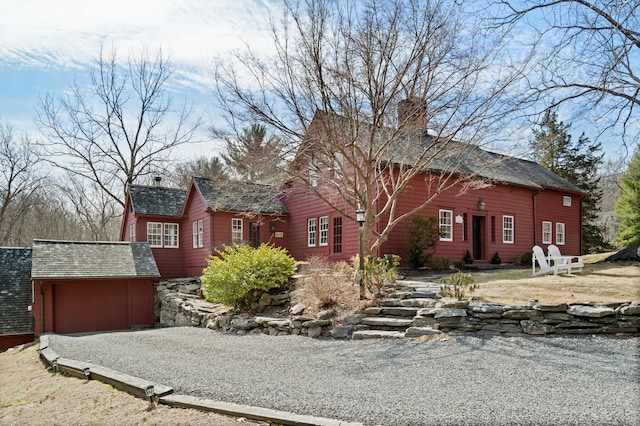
463	380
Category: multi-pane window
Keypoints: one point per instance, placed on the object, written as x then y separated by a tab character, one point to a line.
311	232
198	233
314	174
507	229
446	225
324	231
338	164
171	235
546	232
337	234
559	233
566	201
236	231
154	234
132	232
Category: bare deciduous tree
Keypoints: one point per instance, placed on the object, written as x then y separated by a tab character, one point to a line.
354	62
20	179
588	54
121	128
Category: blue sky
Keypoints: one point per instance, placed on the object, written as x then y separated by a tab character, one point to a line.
45	44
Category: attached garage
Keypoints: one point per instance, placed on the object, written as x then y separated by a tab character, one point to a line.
92	286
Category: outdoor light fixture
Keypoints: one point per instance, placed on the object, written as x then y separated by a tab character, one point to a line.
481	204
361	217
149	391
86	372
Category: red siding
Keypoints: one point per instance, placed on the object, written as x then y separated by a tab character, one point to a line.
500	200
549	207
7	342
195	259
92	305
302	207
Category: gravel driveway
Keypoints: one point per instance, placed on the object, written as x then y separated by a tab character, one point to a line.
464	380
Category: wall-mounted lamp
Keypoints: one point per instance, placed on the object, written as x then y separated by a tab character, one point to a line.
361	216
481	204
87	372
272	226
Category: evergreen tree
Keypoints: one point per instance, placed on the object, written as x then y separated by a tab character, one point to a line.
211	168
577	163
253	156
627	207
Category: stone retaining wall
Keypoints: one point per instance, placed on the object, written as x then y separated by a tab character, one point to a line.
178	304
538	319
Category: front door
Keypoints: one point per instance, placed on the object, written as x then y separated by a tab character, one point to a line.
478	236
254	234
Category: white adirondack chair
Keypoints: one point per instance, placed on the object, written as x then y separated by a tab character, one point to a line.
545	267
571	263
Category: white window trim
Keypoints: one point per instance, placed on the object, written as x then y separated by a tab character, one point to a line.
236	230
168	226
449	225
324	231
560	231
197	231
549	233
566	201
132	232
505	220
161	228
311	232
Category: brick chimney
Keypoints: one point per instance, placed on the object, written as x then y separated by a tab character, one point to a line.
412	116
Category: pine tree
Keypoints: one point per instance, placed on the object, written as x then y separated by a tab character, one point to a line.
627	207
253	156
577	163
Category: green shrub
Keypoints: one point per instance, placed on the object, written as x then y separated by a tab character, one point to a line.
457	285
378	271
423	236
459	264
440	263
524	259
235	271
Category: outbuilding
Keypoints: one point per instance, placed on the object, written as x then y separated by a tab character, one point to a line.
92	286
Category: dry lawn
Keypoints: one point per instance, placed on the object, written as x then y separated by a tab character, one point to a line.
599	282
29	395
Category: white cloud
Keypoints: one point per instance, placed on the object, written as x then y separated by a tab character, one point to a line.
66	33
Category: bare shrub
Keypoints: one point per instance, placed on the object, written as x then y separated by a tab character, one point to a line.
326	285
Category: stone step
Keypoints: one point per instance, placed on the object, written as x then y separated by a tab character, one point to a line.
415	294
399	311
418	302
377	334
387	322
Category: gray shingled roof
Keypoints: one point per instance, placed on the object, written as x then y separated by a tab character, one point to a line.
225	195
15	291
73	260
463	158
504	169
158	201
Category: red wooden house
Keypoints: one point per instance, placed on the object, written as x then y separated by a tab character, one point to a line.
184	227
521	204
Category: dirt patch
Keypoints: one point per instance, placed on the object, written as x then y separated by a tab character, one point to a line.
30	395
599	282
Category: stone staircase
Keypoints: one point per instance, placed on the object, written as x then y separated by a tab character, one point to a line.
395	316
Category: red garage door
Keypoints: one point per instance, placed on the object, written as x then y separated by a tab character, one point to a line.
80	306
